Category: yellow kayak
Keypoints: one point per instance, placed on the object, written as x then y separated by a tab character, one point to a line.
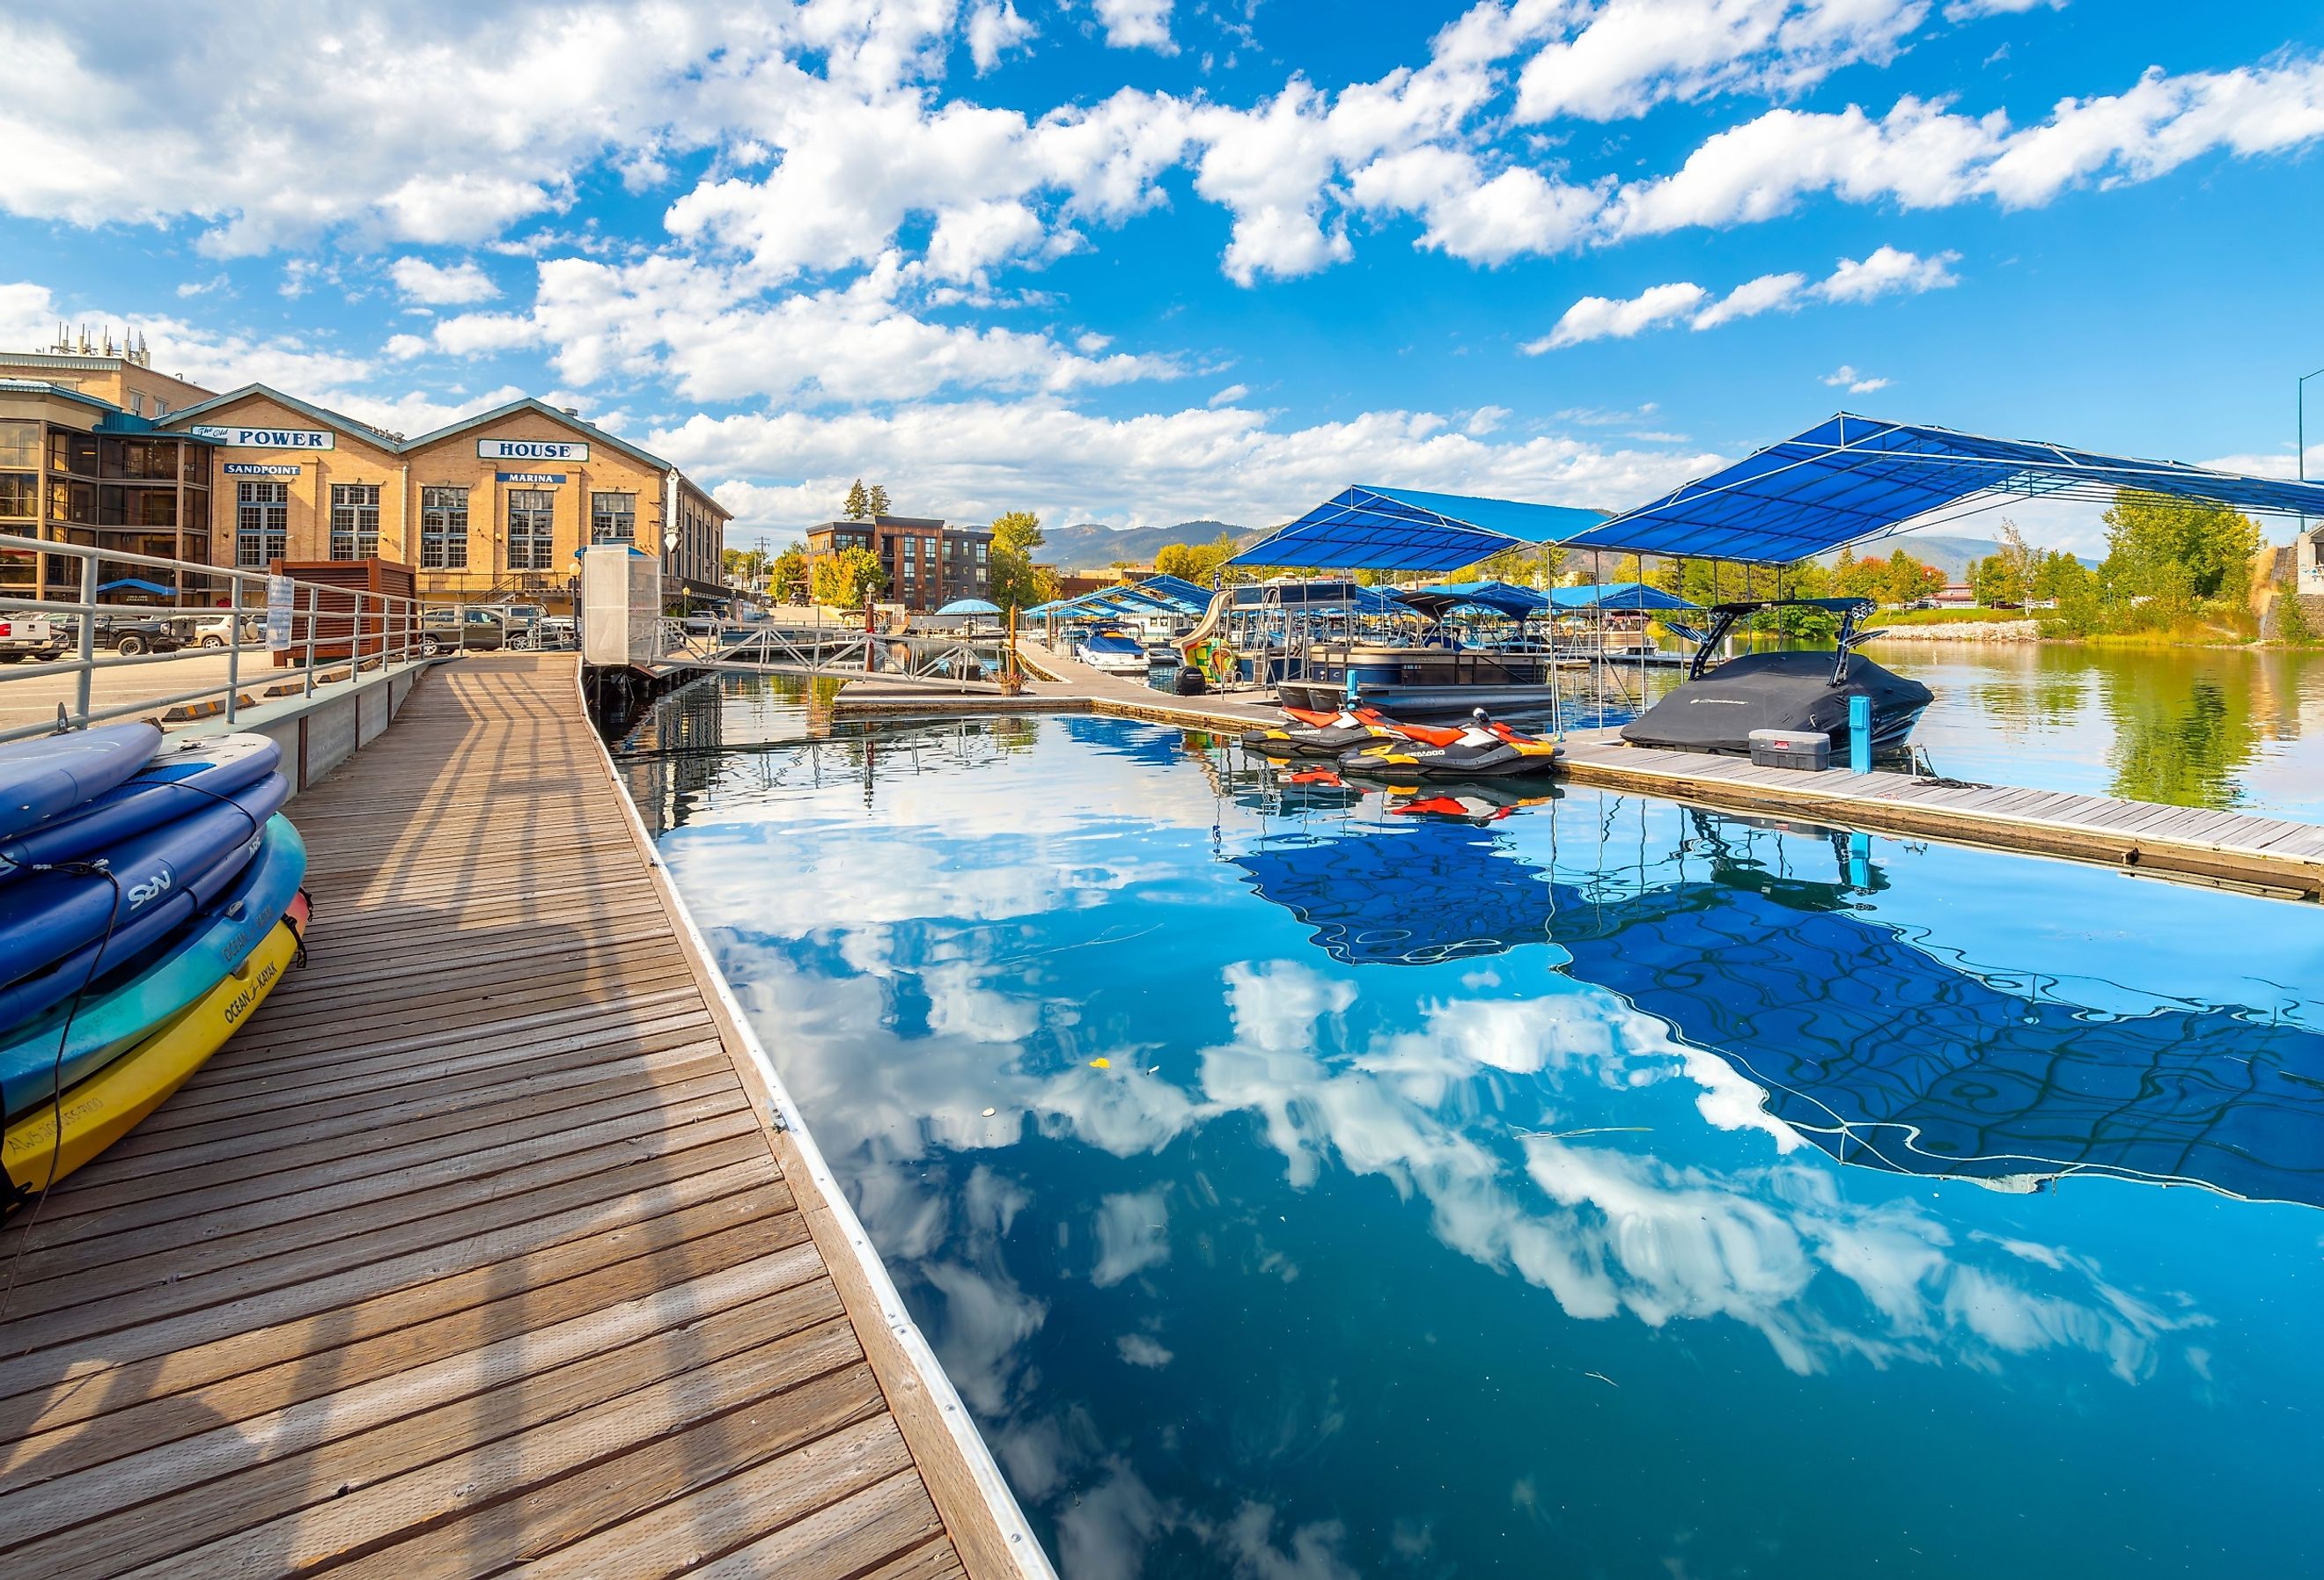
101	1110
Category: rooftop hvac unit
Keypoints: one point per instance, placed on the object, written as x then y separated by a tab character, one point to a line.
620	606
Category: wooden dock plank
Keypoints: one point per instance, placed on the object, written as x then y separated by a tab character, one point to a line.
473	1250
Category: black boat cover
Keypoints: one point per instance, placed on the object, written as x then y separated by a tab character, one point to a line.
1778	691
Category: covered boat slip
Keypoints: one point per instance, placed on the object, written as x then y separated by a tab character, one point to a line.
476	1249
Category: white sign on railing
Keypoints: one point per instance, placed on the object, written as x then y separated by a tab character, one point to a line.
530	449
280	596
266	438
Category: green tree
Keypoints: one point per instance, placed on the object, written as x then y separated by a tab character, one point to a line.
849	578
1905	580
2176	550
1194	562
877	499
787	579
858	507
2059	576
1015	582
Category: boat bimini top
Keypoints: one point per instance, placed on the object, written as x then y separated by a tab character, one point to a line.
1724	617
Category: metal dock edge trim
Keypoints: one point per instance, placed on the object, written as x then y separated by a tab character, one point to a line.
1022	1549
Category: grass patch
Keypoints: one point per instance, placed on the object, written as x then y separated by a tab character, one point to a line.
1951	617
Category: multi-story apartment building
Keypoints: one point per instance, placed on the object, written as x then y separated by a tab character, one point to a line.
927	563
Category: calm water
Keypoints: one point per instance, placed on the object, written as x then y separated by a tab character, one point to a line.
1302	1183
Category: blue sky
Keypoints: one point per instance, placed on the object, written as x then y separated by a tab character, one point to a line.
1135	261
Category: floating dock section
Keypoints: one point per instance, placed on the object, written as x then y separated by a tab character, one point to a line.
490	1243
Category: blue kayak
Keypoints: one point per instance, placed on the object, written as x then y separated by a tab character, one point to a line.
127	1004
186	775
50	775
57	928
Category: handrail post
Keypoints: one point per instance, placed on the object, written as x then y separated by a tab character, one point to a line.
310	639
87	644
234	654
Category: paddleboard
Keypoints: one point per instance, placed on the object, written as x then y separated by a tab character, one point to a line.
57	928
50	1141
49	775
127	1003
185	776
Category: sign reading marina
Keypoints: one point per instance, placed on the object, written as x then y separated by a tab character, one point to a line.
266	438
529	476
261	470
530	449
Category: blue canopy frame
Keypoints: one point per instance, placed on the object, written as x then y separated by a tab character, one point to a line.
1853	478
1616	595
1405	529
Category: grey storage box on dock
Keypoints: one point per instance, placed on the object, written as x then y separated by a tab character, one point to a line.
1810	749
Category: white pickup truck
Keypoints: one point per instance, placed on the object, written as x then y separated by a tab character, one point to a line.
29	636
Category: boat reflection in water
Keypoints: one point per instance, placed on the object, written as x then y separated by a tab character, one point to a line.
1867	1041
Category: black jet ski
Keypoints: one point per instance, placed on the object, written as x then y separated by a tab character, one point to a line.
1484	749
1715	709
1310	734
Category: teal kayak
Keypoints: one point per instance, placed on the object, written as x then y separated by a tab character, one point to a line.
122	1007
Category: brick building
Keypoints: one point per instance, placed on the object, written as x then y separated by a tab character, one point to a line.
927	563
494	508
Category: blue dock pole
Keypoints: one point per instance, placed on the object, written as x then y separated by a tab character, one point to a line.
1859	734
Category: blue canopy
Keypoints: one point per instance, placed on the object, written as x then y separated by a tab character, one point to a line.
1404	529
1855	477
970	606
1500	597
1178	591
1616	595
134	585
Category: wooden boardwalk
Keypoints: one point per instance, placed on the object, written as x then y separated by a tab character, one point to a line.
474	1250
2268	855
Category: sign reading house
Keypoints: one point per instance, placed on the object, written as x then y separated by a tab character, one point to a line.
265	439
530	449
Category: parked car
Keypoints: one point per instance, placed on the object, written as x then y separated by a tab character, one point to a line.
32	636
456	629
557	633
217	631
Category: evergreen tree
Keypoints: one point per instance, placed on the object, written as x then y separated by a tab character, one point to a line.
858	507
877	499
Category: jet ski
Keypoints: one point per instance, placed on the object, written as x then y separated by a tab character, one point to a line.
1312	734
1716	708
1486	801
1482	749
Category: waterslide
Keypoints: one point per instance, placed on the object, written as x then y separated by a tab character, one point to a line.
1206	648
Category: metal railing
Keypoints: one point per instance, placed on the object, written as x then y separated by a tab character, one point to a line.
328	629
773	648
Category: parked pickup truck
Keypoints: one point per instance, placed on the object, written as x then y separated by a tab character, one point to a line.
31	636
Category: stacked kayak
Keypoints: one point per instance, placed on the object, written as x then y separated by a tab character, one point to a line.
150	900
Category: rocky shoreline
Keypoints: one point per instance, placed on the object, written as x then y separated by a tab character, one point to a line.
1968	631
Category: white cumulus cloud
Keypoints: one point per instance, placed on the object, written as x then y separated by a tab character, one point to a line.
1137	24
423	281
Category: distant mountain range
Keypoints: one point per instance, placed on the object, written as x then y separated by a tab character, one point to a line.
1092	547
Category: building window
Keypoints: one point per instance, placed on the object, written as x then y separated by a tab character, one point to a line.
354	521
160	408
529	524
613	518
20	496
444	528
261	525
20	444
136	404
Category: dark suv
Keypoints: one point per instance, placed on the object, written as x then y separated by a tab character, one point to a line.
442	629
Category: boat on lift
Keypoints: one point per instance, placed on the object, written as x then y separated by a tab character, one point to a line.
1719	704
1114	653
